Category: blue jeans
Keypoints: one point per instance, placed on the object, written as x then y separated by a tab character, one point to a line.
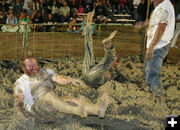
153	67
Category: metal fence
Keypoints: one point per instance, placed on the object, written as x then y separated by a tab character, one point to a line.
60	43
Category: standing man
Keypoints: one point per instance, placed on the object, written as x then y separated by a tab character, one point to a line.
160	32
34	92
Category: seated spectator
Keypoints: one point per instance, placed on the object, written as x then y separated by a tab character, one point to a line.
135	4
73	28
88	5
141	10
28	7
2	17
122	6
114	4
41	6
56	10
81	9
11	19
17	7
74	6
4	6
23	20
65	13
50	20
108	8
11	22
100	13
49	5
37	18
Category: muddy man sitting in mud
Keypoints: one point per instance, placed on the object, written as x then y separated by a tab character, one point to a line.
34	94
95	75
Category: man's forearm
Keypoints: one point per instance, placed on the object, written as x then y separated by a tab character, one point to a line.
158	35
63	80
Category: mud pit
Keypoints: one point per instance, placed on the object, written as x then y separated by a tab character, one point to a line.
130	106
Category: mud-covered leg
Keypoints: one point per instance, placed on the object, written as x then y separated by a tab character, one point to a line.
106	63
89	55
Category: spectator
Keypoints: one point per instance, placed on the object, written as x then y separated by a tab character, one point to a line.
114	4
37	18
56	10
88	5
136	4
122	6
41	6
74	6
50	20
101	13
24	19
49	6
4	6
65	13
17	7
108	8
141	10
28	7
81	9
11	19
73	28
2	18
11	22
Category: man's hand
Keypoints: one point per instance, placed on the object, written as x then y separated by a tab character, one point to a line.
22	115
78	82
149	55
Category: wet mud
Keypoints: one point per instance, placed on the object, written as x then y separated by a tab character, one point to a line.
131	107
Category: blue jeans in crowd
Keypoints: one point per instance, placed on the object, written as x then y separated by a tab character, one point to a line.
152	69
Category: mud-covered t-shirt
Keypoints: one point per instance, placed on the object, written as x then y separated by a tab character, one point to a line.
32	87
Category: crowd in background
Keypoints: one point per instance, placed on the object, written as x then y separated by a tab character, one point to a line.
60	11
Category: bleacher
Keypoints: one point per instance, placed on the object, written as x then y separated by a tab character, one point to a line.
120	19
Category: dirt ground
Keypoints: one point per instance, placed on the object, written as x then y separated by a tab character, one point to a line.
131	107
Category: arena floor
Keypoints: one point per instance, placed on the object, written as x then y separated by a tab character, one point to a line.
131	107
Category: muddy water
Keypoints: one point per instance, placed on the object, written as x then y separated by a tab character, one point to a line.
130	106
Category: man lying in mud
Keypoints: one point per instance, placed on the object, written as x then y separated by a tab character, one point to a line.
95	75
34	94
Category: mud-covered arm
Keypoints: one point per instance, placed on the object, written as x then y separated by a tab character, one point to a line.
66	80
63	80
19	103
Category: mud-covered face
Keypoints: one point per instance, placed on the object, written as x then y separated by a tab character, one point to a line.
31	66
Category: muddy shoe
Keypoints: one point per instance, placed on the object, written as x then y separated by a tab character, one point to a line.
107	41
158	91
103	103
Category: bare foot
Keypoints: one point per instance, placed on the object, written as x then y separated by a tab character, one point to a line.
109	39
102	105
82	113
